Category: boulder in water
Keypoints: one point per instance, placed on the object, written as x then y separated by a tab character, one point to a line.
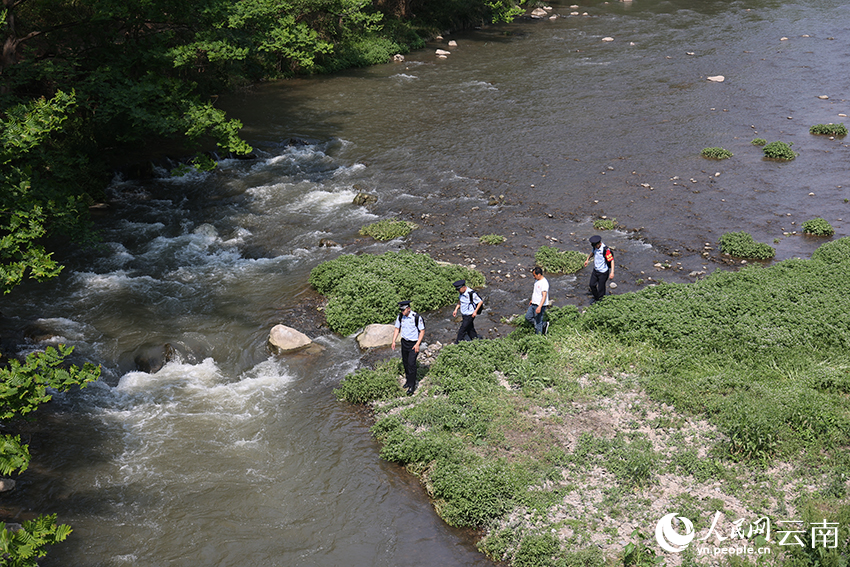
376	335
283	339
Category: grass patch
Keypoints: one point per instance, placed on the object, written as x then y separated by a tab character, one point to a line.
716	153
388	229
366	288
818	227
742	245
604	224
758	141
555	261
829	129
492	239
779	150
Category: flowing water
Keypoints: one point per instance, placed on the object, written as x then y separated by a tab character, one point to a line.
230	456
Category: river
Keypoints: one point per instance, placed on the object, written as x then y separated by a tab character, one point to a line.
229	456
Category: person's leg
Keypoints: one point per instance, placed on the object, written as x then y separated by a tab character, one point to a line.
406	351
594	285
464	329
603	281
530	314
411	365
542	324
538	320
470	331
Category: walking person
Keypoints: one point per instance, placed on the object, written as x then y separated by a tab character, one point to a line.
469	303
411	327
539	302
603	267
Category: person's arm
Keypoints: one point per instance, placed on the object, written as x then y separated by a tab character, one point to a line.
611	271
454	313
395	336
477	307
421	336
589	256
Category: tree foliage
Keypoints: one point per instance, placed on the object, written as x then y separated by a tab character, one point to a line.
21	548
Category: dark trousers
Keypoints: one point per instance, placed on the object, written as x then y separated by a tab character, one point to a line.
467	329
597	284
408	359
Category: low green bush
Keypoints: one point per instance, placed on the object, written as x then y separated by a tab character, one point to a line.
366	288
818	227
492	239
557	262
388	229
758	141
604	224
742	245
366	385
829	129
716	153
779	150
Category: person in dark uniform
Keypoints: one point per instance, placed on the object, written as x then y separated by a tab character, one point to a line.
469	304
603	267
411	327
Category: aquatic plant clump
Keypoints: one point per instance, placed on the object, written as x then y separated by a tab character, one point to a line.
604	224
557	262
818	227
388	229
829	129
492	239
779	150
758	141
716	153
742	245
366	288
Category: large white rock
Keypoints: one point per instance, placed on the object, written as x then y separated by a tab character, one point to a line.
539	13
443	52
376	335
285	339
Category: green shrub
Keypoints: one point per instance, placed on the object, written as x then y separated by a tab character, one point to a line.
742	245
604	224
537	550
556	262
388	229
366	288
21	548
366	385
492	239
779	150
829	129
818	227
471	493
758	141
716	153
833	252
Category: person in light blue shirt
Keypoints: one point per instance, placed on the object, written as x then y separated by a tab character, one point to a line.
411	327
603	267
469	303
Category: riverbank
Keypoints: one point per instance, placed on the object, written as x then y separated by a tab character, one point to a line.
717	402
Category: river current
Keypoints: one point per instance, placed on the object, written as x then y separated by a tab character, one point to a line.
230	456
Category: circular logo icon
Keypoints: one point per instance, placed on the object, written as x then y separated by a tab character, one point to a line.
671	540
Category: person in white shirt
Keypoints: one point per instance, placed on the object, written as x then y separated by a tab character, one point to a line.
539	302
411	327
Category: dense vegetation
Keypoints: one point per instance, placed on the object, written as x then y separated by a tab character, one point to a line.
760	355
366	289
556	261
743	245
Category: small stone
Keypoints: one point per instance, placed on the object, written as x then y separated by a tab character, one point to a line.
823	97
613	285
607	39
716	78
452	43
811	194
443	52
783	39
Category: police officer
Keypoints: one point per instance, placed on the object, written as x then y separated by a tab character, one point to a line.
603	267
411	327
469	304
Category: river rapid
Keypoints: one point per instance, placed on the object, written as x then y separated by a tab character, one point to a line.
230	456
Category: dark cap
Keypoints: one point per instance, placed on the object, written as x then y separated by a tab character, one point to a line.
403	305
459	284
595	239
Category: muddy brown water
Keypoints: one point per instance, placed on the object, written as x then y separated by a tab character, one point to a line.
228	456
